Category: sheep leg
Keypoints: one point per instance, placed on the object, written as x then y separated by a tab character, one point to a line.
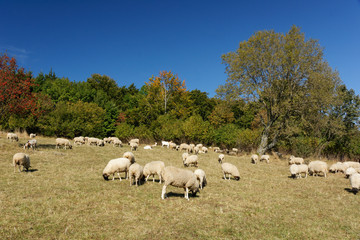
163	192
147	178
224	176
153	176
159	178
187	193
119	176
229	177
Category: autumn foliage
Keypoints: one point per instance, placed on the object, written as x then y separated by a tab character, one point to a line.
16	96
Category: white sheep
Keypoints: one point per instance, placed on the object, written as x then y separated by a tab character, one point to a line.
12	137
79	140
148	147
204	149
117	165
63	142
337	167
352	164
184	146
165	143
21	159
136	171
32	135
117	142
113	139
296	170
191	160
316	167
265	158
355	182
172	145
235	150
134	146
31	144
216	149
230	169
200	174
92	141
100	143
295	160
349	171
196	150
182	178
221	158
135	140
130	156
152	168
254	158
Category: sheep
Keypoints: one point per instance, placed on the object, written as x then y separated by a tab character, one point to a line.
316	167
204	149
191	148
130	156
21	159
215	149
200	174
338	167
196	150
350	171
355	182
172	145
148	147
92	141
295	160
352	164
117	165
107	140
63	142
135	140
254	158
117	142
265	158
221	158
297	170
165	143
79	140
178	177
230	169
184	146
100	143
12	137
32	135
235	150
30	144
113	139
152	168
133	146
191	160
136	171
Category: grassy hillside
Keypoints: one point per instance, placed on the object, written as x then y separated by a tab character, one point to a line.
65	197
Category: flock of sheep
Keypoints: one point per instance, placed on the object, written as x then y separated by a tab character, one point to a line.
179	177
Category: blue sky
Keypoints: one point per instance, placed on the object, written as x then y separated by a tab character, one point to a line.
132	40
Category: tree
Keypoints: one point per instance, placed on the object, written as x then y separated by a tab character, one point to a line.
165	87
16	96
286	74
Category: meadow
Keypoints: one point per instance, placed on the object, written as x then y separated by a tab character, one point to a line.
64	196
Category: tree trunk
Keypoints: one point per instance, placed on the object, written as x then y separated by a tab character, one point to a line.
264	144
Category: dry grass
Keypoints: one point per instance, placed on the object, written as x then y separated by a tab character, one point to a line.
65	197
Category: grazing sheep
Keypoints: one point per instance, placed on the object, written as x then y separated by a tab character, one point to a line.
165	143
21	159
172	145
316	167
63	142
152	168
133	146
338	167
297	170
184	146
136	171
235	150
148	147
117	165
135	140
130	156
79	140
100	143
182	178
254	158
32	135
265	158
31	144
204	149
221	158
196	150
117	142
113	139
107	140
295	160
12	137
200	174
92	141
191	160
349	171
230	169
355	182
352	164
184	156
216	149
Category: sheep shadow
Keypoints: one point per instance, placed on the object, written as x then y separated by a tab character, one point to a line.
350	190
180	195
46	146
32	170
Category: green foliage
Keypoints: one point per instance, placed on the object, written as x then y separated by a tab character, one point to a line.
197	130
125	131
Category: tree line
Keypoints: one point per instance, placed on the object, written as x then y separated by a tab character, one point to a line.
280	95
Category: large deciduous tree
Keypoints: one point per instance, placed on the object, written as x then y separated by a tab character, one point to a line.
286	74
16	96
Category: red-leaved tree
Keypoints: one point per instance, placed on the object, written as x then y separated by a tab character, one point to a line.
16	96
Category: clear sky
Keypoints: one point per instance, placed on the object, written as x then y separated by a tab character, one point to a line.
134	39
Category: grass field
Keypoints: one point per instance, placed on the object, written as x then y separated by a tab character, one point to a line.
65	197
